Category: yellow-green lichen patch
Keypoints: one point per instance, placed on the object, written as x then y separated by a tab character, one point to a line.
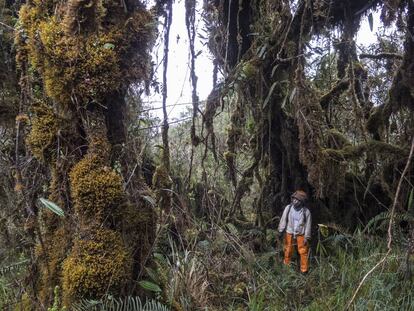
98	264
43	132
96	188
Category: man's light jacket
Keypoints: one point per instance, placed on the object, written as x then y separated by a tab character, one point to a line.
298	222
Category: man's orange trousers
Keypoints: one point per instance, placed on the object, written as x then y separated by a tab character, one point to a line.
303	250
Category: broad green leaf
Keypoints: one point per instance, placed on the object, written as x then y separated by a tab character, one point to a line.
324	230
52	207
149	199
152	274
109	46
159	257
149	286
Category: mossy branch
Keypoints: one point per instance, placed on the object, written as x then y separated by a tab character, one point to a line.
381	56
340	87
355	152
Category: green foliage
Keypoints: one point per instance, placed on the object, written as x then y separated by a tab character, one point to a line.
15	267
381	219
150	286
256	302
119	304
56	302
240	279
183	278
333	279
12	273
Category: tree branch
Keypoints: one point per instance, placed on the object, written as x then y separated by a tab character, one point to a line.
381	56
340	87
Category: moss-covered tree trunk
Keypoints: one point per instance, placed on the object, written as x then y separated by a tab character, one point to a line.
83	55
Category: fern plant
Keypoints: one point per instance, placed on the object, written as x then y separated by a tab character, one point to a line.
15	267
377	222
119	304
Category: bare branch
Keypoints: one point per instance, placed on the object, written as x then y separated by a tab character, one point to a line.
7	26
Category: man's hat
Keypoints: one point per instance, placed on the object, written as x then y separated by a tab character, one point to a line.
300	195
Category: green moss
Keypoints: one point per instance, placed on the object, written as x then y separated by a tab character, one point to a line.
82	16
83	51
88	66
96	188
43	132
161	178
376	120
250	69
338	139
161	181
99	264
25	303
229	156
50	257
354	152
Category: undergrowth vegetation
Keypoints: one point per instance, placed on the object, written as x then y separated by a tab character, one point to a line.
101	211
222	272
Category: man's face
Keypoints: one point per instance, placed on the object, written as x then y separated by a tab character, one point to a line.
295	202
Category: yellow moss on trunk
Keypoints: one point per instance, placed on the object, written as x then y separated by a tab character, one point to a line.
43	132
98	264
96	189
82	58
84	51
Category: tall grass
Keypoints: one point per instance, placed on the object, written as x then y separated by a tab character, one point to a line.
242	280
334	277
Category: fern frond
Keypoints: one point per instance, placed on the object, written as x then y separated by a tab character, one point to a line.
119	304
375	221
13	267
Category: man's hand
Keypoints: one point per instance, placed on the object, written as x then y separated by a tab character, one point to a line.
305	241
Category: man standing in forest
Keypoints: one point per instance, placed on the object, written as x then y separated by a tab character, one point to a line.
296	220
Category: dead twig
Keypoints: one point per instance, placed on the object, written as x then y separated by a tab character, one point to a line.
7	26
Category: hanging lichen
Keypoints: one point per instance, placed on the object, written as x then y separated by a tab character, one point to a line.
321	137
